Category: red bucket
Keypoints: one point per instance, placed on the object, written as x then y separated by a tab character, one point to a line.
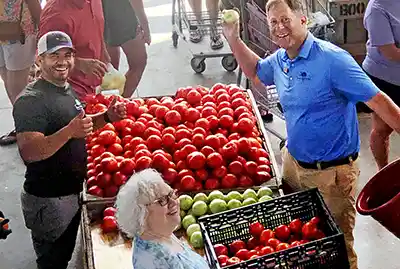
380	198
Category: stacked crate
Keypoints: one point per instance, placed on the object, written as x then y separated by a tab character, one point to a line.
350	33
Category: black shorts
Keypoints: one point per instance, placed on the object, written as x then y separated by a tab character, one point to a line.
120	22
393	91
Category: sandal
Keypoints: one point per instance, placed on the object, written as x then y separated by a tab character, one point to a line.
195	34
216	42
8	139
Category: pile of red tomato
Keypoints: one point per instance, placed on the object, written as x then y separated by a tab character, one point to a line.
265	241
200	139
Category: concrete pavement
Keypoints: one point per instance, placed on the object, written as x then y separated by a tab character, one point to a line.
169	68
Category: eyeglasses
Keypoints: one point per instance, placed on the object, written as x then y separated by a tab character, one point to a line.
164	200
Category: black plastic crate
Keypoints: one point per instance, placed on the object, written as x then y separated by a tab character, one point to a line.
328	253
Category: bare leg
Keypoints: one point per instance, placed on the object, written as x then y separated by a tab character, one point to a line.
194	31
115	54
195	5
15	82
216	41
3	74
135	51
379	141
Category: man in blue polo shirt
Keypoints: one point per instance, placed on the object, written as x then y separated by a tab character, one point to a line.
318	86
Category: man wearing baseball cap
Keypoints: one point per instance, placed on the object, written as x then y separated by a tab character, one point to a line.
83	21
51	129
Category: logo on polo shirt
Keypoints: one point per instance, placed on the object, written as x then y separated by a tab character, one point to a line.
303	75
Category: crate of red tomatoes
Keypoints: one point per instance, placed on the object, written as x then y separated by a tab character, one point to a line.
292	231
199	139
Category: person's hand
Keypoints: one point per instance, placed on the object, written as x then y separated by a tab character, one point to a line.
116	110
231	31
80	126
92	67
3	231
144	33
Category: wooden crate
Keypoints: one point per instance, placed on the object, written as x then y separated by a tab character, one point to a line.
350	33
349	28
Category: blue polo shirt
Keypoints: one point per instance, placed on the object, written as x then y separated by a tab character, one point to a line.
318	91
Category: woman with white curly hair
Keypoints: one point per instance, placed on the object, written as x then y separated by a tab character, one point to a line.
148	211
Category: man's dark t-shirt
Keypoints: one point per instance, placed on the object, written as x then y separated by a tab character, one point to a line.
46	108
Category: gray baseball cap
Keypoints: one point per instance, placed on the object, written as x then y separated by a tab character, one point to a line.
53	41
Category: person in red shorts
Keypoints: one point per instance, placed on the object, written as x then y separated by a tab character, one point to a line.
83	21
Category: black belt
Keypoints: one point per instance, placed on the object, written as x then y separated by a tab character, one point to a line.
325	165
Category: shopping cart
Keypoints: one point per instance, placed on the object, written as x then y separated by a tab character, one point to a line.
183	21
255	32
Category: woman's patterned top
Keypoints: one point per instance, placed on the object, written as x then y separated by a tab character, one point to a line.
10	12
154	255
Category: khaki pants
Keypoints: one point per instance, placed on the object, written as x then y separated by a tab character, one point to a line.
337	186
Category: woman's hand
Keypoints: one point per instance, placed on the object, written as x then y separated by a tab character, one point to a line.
231	31
144	33
91	67
116	110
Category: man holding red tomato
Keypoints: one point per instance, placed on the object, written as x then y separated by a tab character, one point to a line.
51	130
318	85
